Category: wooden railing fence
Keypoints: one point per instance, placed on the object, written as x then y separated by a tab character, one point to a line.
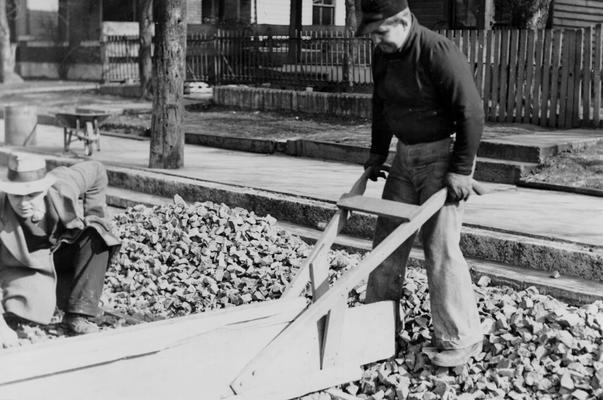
551	78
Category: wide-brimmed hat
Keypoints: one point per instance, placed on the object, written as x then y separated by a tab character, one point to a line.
374	12
26	175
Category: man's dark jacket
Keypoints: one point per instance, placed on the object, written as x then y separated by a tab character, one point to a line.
425	92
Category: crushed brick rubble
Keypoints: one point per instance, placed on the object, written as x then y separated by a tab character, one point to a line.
184	258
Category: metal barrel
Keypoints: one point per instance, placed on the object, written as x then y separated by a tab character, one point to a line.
20	125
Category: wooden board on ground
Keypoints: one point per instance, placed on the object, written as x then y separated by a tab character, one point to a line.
202	365
67	354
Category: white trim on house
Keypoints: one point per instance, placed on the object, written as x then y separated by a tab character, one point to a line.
276	12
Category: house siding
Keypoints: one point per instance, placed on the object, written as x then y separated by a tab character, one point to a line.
274	12
577	13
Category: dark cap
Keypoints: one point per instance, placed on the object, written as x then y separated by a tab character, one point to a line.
375	11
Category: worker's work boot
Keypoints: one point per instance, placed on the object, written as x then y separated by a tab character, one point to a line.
455	357
78	324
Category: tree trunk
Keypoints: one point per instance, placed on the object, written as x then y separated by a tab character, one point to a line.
295	26
145	63
351	15
7	50
167	133
350	47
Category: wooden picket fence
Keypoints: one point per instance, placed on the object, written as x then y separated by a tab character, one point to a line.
551	78
310	58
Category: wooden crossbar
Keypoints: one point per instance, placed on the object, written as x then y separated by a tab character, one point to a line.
380	207
259	369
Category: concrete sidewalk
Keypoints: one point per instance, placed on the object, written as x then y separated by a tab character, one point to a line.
547	214
45	86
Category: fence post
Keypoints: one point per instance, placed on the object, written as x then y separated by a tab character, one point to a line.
576	79
586	75
597	76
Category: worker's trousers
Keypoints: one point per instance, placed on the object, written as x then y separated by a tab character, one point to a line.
418	171
81	268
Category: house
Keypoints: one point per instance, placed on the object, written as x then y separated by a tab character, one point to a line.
577	13
34	19
266	12
453	14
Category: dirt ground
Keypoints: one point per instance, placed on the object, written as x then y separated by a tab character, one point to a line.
573	168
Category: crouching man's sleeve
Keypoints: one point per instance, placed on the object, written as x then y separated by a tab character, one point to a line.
88	181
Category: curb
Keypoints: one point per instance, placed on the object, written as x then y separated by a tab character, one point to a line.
560	188
49	89
536	253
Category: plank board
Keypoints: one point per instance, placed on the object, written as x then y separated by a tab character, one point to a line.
368	335
496	66
539	113
555	76
575	82
512	79
261	367
67	354
566	62
202	364
530	61
520	91
487	92
504	75
586	79
380	207
481	43
597	76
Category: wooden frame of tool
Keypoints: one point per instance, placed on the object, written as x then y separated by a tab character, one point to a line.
328	310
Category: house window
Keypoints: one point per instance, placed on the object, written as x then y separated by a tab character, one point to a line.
323	12
465	14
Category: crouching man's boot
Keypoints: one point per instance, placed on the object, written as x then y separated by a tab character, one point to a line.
455	357
8	337
78	324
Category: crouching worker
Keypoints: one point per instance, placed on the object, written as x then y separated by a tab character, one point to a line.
54	251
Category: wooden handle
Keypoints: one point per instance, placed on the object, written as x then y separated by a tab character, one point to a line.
360	186
478	188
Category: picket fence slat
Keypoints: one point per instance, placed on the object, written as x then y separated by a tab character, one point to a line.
496	67
586	74
520	93
564	86
575	85
504	75
555	92
528	92
597	76
513	82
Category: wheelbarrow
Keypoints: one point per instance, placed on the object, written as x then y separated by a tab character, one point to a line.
272	350
81	126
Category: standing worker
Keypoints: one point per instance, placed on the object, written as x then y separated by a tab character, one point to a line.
53	250
424	93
